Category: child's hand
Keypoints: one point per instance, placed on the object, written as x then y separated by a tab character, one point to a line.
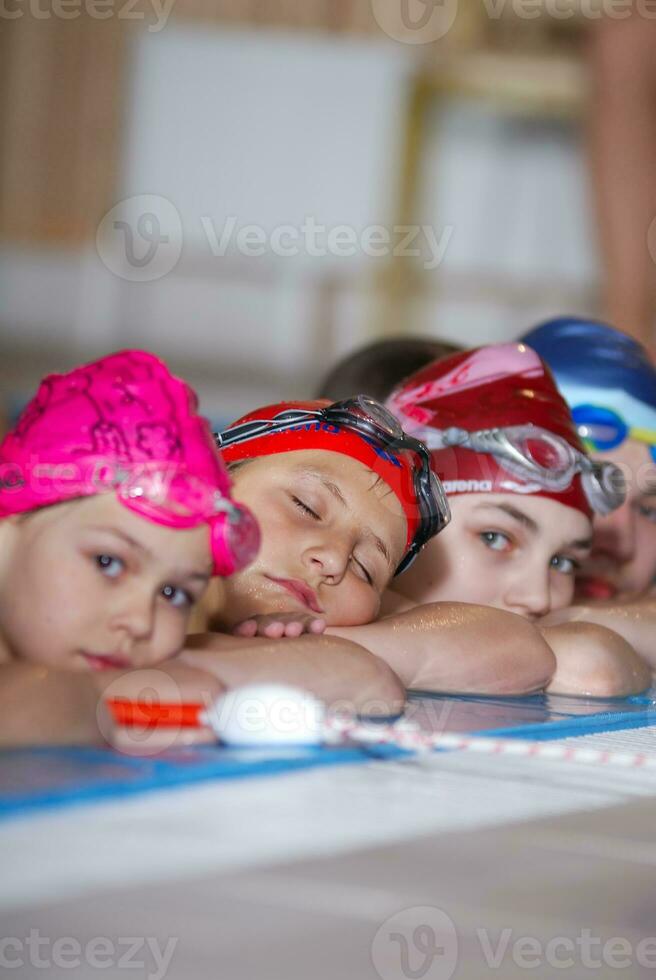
277	625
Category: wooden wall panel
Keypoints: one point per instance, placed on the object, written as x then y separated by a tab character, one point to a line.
341	16
59	126
62	91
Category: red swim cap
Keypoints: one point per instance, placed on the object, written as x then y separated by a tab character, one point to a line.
397	470
496	387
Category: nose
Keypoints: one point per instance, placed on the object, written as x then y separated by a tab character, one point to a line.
328	559
134	615
529	593
615	535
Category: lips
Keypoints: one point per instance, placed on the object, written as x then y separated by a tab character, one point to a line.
595	587
301	591
101	661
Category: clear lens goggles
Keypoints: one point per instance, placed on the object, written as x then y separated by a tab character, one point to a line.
603	429
536	455
168	495
372	421
174	498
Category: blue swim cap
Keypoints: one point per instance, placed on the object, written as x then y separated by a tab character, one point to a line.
606	377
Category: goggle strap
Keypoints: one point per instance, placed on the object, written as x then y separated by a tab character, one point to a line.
256	427
433	517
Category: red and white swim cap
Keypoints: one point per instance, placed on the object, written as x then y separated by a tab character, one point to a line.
504	387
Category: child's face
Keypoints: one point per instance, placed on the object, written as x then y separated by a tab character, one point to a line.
624	543
89	585
332	536
504	550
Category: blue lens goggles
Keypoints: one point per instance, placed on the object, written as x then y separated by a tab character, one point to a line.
603	429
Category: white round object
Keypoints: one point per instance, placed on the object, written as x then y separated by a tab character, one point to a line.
268	714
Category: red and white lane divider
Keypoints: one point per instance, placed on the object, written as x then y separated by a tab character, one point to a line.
416	740
277	715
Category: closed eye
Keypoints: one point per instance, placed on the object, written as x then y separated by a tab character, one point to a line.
305	509
366	574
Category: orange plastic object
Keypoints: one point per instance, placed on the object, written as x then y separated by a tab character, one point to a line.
144	713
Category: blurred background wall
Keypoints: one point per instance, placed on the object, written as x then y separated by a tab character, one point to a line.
251	192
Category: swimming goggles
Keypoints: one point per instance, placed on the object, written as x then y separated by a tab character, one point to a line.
173	497
603	429
166	493
374	423
534	454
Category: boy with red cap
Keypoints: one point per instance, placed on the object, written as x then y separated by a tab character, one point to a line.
346	500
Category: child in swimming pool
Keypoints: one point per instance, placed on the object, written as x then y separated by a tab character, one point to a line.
523	493
345	501
116	511
609	382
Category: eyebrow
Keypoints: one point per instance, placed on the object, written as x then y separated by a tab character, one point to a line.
515	513
533	526
199	576
132	542
333	489
582	543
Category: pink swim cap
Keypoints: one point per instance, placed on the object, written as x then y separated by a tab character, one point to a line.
126	424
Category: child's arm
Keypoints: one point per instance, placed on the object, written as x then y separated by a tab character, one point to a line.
591	660
594	661
39	706
42	706
633	619
334	670
459	648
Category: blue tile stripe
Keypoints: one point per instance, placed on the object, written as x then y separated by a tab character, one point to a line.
34	779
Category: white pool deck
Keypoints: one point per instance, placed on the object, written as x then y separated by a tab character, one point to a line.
308	875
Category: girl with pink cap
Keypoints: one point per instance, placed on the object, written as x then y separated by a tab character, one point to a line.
115	513
523	493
